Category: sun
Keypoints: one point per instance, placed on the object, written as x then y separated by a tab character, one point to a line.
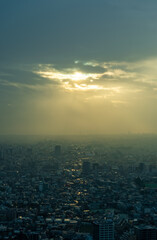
76	76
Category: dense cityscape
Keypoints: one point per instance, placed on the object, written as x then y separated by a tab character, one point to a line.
79	190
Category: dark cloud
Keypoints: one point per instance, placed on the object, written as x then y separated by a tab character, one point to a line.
62	31
15	77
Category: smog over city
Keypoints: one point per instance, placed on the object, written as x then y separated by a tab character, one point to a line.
78	119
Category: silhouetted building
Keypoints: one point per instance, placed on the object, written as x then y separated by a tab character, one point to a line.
104	230
21	236
34	236
146	233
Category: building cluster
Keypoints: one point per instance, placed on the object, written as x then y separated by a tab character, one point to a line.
76	193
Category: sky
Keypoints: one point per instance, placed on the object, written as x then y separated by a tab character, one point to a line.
78	67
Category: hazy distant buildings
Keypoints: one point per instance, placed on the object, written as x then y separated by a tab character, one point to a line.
86	167
1	155
57	150
141	167
95	166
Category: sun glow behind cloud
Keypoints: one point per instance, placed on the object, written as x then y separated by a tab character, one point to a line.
68	77
105	78
73	79
71	74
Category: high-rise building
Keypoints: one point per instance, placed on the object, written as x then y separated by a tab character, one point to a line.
146	232
104	230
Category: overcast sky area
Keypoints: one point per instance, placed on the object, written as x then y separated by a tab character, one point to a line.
78	66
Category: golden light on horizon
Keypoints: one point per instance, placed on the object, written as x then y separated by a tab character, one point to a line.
88	87
84	87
